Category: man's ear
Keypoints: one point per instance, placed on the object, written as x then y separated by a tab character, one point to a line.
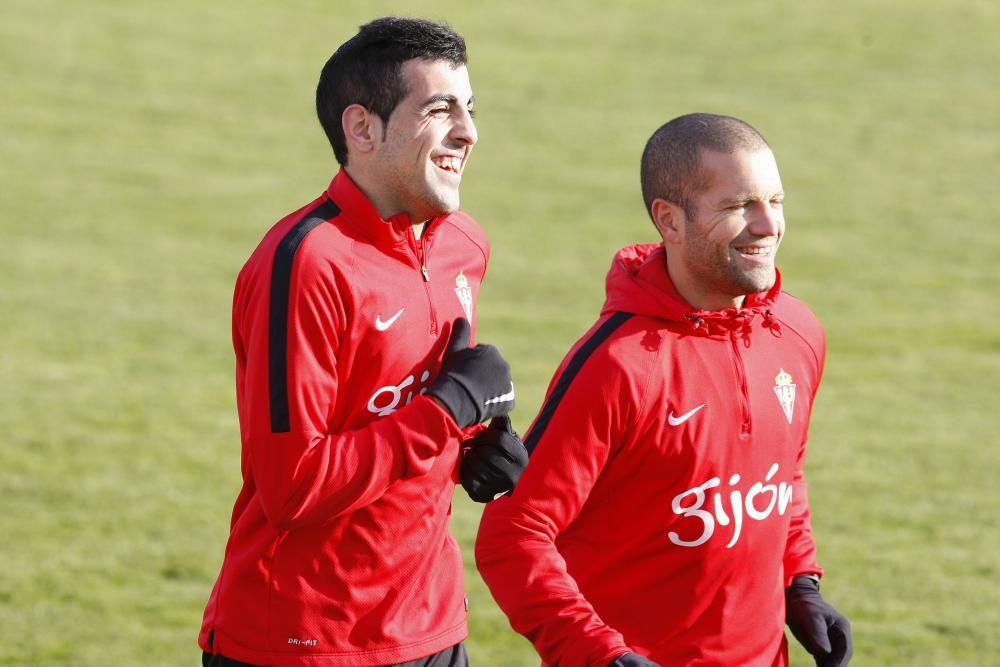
669	219
362	129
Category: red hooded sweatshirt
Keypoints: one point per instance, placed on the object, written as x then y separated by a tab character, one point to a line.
664	510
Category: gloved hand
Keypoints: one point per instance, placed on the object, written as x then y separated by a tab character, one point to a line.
474	384
819	627
494	462
633	660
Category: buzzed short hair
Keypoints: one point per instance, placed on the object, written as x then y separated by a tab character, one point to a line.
671	161
367	69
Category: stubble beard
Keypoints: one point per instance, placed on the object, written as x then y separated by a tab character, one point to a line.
724	277
424	200
749	281
440	201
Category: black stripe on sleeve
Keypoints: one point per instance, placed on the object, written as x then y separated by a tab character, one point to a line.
569	374
281	281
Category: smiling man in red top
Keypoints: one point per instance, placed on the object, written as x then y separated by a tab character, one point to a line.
355	382
663	519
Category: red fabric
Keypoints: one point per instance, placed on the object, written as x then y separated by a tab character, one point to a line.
339	552
592	555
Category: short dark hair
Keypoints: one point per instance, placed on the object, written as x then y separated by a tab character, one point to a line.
367	69
671	161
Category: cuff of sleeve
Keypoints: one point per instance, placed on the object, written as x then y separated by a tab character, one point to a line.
599	650
442	413
431	429
803	570
472	431
614	656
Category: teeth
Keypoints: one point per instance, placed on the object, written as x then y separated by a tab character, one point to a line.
755	251
448	163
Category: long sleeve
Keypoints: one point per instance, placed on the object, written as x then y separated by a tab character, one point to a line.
800	549
288	382
339	549
517	546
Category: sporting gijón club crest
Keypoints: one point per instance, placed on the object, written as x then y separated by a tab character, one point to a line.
784	389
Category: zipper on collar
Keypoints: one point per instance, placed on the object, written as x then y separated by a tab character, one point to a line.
418	250
420	255
741	379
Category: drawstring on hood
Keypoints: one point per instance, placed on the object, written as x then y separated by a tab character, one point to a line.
638	283
695	320
773	325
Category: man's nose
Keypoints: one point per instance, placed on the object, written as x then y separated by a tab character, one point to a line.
765	219
464	130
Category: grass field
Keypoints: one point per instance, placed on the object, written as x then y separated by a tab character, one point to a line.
145	148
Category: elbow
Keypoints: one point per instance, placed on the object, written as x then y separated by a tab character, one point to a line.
501	532
486	539
282	523
282	512
481	555
284	476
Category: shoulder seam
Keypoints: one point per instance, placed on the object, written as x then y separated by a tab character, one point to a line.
809	344
466	234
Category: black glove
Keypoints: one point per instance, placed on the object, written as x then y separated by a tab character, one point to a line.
494	462
474	383
633	660
819	627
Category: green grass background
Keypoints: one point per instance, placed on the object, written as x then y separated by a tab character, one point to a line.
145	148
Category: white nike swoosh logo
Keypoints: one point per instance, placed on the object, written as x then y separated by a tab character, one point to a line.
677	421
382	326
509	396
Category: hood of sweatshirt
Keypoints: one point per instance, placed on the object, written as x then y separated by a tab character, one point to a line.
638	283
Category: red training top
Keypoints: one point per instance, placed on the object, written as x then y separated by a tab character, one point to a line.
664	509
339	552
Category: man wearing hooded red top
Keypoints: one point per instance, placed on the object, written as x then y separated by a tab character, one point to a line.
663	518
355	382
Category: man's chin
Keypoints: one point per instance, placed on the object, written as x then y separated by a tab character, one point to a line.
764	285
445	205
757	281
